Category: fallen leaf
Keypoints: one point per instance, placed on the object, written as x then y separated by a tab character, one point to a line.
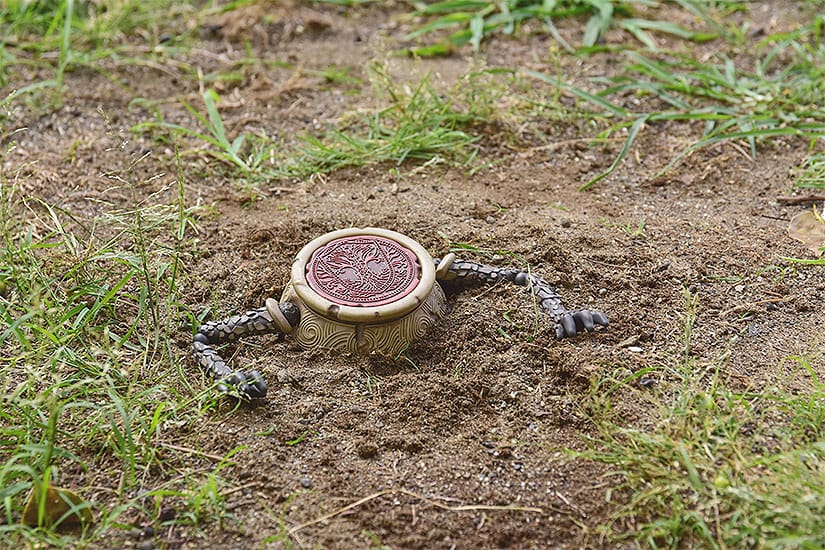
809	227
60	503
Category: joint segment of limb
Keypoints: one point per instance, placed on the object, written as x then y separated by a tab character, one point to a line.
463	274
254	322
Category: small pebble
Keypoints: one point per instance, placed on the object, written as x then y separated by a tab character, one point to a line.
491	219
635	349
647	381
167	513
306	483
146	545
566	223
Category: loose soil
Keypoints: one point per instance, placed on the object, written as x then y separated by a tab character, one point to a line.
482	413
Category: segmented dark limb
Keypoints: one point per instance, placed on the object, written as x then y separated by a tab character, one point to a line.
255	322
462	274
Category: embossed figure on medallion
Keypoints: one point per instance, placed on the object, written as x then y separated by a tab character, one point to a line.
363	271
367	291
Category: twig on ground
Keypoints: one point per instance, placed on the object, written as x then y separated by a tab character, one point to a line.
802	199
570	505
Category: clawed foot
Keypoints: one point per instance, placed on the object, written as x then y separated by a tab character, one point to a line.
573	323
248	384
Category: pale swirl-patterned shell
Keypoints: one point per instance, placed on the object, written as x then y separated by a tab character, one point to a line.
389	338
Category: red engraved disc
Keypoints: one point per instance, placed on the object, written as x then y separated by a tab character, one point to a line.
364	270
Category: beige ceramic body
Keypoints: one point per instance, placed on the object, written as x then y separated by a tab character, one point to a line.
387	329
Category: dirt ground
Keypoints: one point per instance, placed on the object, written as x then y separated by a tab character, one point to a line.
481	415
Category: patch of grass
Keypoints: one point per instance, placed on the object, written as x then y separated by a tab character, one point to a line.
246	152
417	124
635	231
67	34
341	76
88	314
476	20
279	520
812	173
779	97
713	467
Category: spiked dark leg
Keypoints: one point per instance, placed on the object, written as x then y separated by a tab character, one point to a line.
462	274
252	323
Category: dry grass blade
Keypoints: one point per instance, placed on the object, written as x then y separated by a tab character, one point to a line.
428	500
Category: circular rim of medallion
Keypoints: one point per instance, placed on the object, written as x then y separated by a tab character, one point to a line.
394	303
362	271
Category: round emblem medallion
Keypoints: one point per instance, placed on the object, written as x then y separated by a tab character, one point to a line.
363	271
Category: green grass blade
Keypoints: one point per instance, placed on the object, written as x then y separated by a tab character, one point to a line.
638	124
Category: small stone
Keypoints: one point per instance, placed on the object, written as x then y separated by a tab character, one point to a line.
647	381
306	483
167	513
634	349
490	219
565	223
148	532
146	545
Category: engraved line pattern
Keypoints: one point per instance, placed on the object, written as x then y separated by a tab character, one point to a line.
389	339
